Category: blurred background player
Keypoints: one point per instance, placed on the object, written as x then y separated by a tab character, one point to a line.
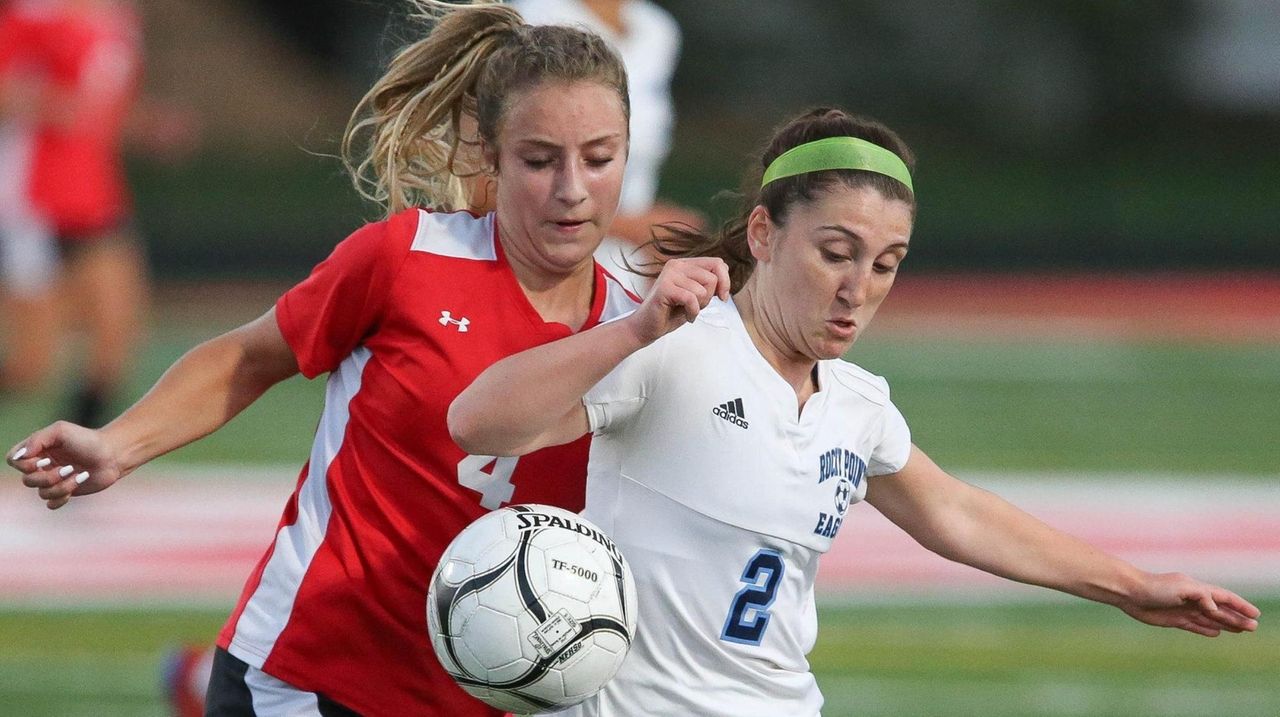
648	39
402	315
69	73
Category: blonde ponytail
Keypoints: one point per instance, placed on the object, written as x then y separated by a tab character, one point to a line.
401	146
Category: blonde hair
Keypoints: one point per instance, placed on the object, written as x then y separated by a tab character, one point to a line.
401	146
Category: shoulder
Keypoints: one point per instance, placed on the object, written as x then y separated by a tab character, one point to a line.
652	18
458	235
718	316
550	12
853	378
710	337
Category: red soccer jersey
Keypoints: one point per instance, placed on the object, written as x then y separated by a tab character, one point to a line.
74	177
403	315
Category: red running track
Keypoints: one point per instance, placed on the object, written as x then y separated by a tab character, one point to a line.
1228	307
191	538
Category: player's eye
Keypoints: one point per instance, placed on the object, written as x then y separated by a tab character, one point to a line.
599	161
887	265
537	162
835	257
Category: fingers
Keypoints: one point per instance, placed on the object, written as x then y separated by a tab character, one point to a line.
713	273
690	297
29	452
1232	620
1216	609
1223	609
53	475
687	285
1198	625
1230	601
54	482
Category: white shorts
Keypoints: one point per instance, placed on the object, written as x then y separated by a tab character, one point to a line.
29	256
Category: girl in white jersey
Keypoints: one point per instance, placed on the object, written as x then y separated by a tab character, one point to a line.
730	439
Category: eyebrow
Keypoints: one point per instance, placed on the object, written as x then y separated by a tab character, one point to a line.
858	239
545	144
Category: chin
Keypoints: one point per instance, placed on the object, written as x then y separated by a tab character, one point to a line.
834	349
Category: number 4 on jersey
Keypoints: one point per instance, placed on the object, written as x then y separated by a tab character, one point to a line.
490	476
749	614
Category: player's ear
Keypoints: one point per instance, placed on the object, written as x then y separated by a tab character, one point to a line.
760	233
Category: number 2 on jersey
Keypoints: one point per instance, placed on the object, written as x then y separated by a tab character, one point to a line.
749	613
489	476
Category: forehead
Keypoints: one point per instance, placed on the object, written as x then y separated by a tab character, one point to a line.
864	211
563	113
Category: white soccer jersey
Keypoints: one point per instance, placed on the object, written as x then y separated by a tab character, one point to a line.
723	496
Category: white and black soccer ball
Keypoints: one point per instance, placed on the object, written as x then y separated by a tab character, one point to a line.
531	608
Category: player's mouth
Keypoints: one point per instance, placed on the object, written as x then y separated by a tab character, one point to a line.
569	226
843	328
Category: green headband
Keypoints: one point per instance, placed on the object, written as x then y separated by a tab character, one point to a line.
838	153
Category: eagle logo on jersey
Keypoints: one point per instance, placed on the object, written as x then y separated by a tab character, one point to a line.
850	470
446	318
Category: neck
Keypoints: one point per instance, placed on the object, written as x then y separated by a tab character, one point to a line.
767	334
609	12
560	297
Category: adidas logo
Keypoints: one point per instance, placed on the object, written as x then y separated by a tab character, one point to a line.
732	412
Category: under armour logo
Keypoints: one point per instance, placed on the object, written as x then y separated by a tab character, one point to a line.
446	318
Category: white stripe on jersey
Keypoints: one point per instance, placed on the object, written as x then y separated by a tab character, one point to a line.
273	698
267	612
455	234
617	302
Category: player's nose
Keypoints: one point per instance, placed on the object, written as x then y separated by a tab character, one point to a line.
571	185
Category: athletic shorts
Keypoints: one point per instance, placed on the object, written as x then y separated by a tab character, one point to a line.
32	253
238	690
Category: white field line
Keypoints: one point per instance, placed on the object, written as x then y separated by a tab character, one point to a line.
1045	694
190	536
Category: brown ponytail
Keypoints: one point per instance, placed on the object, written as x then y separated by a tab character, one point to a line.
401	146
730	243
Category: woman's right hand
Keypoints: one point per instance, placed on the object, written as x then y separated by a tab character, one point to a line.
63	460
684	288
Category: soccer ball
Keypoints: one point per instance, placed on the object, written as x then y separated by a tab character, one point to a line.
531	608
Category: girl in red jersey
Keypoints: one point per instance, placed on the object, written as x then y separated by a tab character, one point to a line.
68	74
402	316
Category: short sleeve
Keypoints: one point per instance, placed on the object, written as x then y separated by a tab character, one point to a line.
329	314
620	396
891	453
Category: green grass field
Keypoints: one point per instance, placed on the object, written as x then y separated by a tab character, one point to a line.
987	405
1173	409
899	660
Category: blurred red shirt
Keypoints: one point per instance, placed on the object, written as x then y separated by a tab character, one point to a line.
90	59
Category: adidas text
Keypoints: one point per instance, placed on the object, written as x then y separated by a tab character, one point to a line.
732	412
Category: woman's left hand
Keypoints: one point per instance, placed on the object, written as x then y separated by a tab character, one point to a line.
1176	600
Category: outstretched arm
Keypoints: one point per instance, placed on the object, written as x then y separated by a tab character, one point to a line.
534	399
978	528
202	391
